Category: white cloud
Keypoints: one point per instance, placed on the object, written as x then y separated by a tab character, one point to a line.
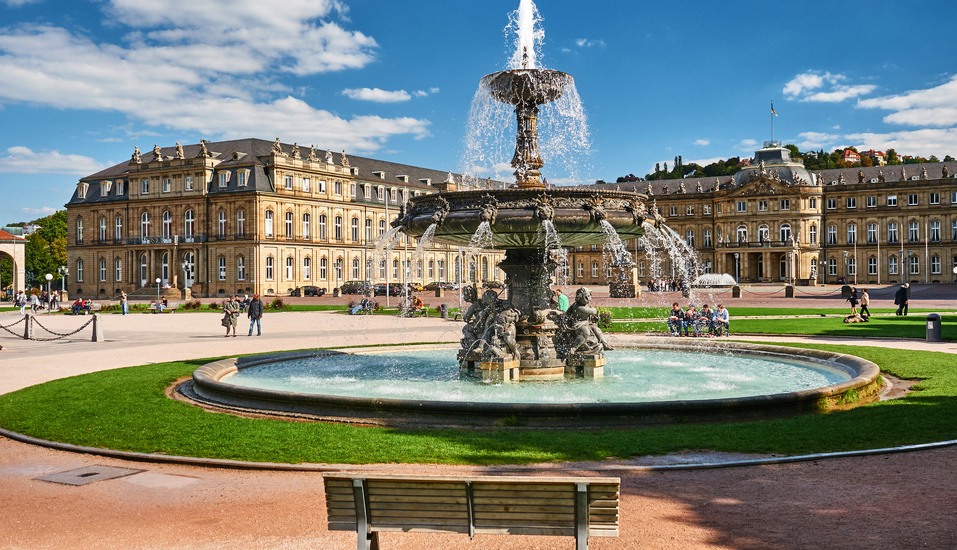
816	140
924	142
111	140
212	73
433	90
802	84
377	95
22	160
587	43
421	93
702	142
44	211
836	127
18	3
748	144
931	107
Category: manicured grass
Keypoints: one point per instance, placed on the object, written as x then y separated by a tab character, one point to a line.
662	312
126	409
912	326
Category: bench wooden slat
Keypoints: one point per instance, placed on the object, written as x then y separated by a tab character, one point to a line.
530	517
422	499
415	507
376	484
390	491
481	493
523	487
412	514
523	508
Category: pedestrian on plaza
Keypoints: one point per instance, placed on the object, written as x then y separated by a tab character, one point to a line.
230	315
900	299
22	301
54	300
34	302
562	300
3	348
865	301
124	303
853	299
255	313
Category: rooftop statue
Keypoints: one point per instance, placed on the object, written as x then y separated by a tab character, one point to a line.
203	151
295	151
328	156
137	158
312	153
179	152
157	153
277	149
860	176
880	175
944	172
345	159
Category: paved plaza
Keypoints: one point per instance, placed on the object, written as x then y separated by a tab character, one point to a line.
904	500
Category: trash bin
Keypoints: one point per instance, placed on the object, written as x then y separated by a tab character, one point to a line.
336	292
444	311
933	328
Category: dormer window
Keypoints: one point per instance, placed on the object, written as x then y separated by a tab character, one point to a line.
425	181
379	174
238	156
354	171
224	179
404	179
393	195
81	190
367	191
105	187
242	178
119	188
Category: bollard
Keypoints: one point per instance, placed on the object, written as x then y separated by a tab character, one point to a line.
98	328
736	291
336	292
845	292
789	291
444	311
28	327
933	327
439	292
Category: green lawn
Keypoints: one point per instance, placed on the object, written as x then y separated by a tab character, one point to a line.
662	312
126	409
912	326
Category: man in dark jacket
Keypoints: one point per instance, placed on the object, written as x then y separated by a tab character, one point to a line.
255	313
900	299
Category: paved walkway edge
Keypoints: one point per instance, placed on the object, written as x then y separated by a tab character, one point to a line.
274	466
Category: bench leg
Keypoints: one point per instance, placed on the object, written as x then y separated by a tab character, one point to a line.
581	516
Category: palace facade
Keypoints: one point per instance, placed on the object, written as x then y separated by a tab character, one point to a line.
251	216
775	221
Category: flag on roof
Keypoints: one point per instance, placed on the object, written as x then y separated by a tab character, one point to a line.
772	109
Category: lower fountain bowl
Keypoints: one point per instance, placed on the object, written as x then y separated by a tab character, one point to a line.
860	383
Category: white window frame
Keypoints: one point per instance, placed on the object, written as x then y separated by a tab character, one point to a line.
742	206
892	264
871	202
290	267
307	268
118	270
241	268
222	268
785	204
762	206
269	223
167	187
188	183
913	199
891	200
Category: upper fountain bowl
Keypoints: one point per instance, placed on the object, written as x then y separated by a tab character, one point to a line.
527	86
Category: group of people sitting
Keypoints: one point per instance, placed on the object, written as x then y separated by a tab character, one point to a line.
697	322
81	306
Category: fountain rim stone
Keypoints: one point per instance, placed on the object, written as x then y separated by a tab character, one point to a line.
208	389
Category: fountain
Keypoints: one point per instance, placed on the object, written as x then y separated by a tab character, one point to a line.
524	336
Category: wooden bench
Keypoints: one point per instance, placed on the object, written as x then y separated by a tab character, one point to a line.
579	507
166	309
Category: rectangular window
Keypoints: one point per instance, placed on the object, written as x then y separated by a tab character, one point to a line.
915	265
287	181
719	207
305	185
145	187
812	203
188	181
912	200
872	202
706	210
241	178
935	232
222	180
742	206
241	269
851	234
119	188
913	232
935	198
851	266
338	188
832	266
269	268
872	266
762	206
953	197
594	269
307	268
891	200
851	202
872	233
892	265
322	186
785	204
289	270
166	185
222	269
102	270
831	204
689	210
891	232
832	234
673	211
935	265
953	230
323	266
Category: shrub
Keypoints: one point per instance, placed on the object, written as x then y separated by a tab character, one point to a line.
278	305
214	305
604	318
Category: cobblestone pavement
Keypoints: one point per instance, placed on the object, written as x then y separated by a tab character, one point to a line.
903	500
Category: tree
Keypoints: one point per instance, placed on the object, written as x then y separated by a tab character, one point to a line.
6	271
38	260
795	152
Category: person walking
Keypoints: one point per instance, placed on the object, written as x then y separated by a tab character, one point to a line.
853	299
900	299
865	301
230	315
34	302
22	300
255	314
124	303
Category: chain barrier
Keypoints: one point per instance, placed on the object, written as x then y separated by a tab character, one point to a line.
762	293
8	327
59	335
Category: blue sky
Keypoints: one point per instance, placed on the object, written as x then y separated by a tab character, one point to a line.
82	82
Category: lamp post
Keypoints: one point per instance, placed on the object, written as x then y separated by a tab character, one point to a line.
845	267
63	271
158	280
49	278
737	268
907	268
790	259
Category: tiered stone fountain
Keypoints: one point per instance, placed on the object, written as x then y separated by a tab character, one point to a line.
525	337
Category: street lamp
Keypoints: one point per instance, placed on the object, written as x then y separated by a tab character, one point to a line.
737	269
185	267
845	267
790	259
63	271
48	277
157	291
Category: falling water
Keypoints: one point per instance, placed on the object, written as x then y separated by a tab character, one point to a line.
383	246
614	249
481	240
425	242
682	257
525	22
556	252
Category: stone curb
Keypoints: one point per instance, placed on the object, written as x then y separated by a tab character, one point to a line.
274	466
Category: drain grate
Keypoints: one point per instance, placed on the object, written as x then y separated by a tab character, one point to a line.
90	474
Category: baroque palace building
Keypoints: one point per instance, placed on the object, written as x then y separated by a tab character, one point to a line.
250	216
774	221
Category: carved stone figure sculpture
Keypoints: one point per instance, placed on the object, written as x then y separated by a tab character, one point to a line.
945	172
295	151
500	337
137	158
179	152
312	153
345	159
277	148
328	156
860	176
581	329
157	154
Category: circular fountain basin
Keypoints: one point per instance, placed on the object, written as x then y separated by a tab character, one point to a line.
517	222
655	383
527	86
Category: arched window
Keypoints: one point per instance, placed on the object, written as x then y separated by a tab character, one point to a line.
189	224
241	224
764	234
79	231
306	228
355	268
102	236
742	234
222	268
221	224
785	232
118	270
290	267
118	229
355	230
269	224
337	228
322	227
307	268
145	225
167	224
289	230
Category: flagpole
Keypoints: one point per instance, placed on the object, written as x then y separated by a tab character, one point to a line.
772	122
